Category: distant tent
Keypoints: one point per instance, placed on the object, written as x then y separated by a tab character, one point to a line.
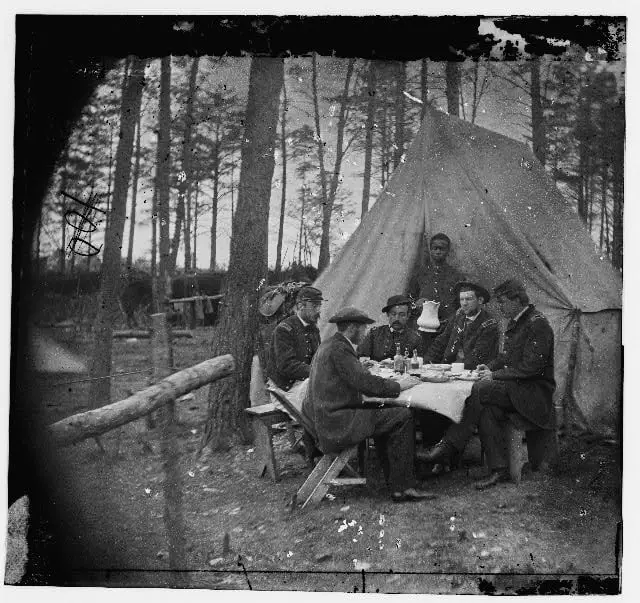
505	218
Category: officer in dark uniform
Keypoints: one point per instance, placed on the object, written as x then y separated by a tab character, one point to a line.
520	380
472	335
380	342
295	340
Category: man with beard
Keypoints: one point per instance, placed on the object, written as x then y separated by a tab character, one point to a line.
334	406
381	342
294	342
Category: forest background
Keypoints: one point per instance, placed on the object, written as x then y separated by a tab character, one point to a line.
569	107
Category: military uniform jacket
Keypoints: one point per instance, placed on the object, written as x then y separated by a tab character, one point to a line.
334	397
436	283
479	341
292	348
381	341
526	367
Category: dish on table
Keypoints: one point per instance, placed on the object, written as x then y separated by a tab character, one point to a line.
468	376
441	367
434	377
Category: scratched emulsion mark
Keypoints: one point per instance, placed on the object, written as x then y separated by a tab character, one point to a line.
17	547
82	225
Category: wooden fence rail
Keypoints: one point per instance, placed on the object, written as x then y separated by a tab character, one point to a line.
96	422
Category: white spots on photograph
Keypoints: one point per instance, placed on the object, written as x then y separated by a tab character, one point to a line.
191	474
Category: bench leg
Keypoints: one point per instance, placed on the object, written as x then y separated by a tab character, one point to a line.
515	451
321	487
263	435
542	447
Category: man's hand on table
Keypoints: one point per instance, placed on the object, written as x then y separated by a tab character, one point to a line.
406	381
367	362
484	372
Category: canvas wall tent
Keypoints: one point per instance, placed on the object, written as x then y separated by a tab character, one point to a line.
505	218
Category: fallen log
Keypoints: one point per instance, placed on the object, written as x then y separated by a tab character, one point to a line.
143	334
96	422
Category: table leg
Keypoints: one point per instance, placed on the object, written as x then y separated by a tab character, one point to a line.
264	449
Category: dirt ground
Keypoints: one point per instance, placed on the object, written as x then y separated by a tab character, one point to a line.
554	533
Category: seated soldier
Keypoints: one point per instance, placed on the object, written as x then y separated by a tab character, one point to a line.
334	406
472	337
381	342
519	380
294	342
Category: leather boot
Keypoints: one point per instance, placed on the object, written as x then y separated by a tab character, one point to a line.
497	476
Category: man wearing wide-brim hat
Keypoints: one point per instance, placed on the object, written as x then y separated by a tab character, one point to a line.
334	405
519	380
382	342
472	335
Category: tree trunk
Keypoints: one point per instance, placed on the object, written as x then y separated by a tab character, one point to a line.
327	209
134	194
453	88
384	155
214	200
604	183
187	231
401	84
195	228
186	162
100	388
163	170
233	209
109	179
476	100
283	198
239	324
538	135
154	252
424	87
323	260
304	201
368	145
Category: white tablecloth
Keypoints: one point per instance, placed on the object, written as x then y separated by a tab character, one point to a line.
444	398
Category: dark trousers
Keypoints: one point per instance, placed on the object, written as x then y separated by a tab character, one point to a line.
432	424
393	433
487	407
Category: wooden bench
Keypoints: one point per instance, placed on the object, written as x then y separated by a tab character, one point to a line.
326	471
263	418
542	446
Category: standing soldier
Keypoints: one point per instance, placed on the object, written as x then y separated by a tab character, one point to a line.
435	281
